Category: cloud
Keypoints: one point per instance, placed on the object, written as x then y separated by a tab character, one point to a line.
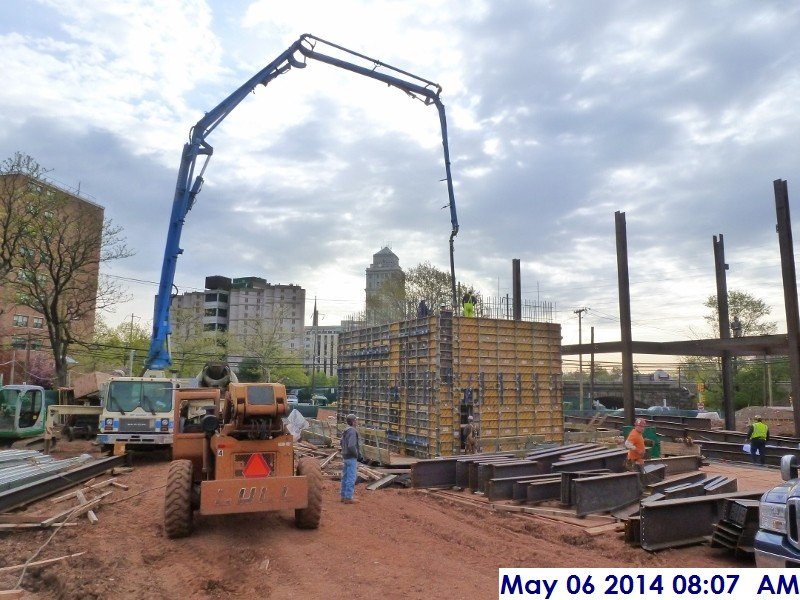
559	115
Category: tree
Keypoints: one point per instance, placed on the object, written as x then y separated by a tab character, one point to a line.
56	269
388	303
250	371
263	340
110	348
426	282
15	220
750	311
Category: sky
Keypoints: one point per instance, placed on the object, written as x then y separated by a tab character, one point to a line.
679	114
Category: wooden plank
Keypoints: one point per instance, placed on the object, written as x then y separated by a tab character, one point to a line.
602	529
13	526
39	563
87	488
382	482
76	510
324	463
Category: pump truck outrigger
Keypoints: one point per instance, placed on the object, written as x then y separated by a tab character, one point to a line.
233	455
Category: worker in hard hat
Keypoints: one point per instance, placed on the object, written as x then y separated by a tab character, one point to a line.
758	436
635	445
471	436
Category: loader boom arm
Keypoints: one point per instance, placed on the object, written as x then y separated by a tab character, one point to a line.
190	175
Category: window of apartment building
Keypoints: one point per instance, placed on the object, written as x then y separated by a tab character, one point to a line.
223	297
18	342
222	312
20	321
211	312
38	322
36	344
211	297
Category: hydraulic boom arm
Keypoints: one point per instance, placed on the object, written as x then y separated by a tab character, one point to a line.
190	183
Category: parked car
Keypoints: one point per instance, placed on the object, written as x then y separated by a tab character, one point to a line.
292	399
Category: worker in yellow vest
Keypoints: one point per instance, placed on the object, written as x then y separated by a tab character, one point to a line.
758	436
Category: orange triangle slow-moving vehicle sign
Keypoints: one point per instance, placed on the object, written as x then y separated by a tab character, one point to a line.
256	466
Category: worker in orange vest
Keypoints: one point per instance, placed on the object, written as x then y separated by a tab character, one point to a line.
635	445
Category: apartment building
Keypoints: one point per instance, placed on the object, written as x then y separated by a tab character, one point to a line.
24	341
250	309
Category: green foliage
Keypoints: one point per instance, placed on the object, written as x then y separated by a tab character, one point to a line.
110	347
751	312
250	371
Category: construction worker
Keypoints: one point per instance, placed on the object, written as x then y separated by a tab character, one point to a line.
758	436
468	302
471	436
635	445
351	453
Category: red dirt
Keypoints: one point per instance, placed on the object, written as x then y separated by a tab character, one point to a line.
396	543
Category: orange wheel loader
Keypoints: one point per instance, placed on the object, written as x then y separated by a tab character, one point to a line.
232	455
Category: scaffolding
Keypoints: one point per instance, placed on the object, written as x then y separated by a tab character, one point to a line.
420	379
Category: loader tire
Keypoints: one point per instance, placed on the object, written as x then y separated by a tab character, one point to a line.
178	499
308	518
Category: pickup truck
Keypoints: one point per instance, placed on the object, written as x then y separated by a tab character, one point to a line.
777	543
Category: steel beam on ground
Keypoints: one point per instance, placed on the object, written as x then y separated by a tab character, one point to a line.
738	437
25	494
678	464
733	451
685	490
439	472
539	491
546	458
498	470
653	474
723	485
656	488
463	464
685	521
567	477
502	488
613	460
605	492
473	473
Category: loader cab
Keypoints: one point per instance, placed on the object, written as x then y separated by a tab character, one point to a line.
22	411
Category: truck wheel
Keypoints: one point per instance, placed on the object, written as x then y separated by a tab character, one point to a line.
308	518
178	499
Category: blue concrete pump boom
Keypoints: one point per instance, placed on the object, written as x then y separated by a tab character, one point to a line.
189	184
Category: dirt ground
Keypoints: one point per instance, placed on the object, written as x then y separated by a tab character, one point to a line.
395	543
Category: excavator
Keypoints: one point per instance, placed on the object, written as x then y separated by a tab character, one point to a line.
232	452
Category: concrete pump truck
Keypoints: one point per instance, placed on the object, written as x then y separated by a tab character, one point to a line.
231	452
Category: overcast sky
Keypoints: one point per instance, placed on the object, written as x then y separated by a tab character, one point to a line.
680	114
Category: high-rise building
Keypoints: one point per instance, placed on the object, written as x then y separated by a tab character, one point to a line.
385	293
253	312
23	331
325	355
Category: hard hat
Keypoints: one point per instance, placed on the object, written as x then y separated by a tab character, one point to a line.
757	417
470	418
641	422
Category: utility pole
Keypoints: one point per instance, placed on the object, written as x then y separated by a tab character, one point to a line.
130	346
314	325
580	312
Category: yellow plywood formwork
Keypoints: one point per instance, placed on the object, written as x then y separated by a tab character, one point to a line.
419	381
